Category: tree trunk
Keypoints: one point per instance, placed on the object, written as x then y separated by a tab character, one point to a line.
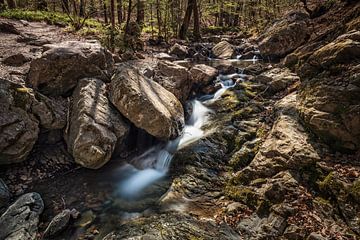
82	8
41	5
128	17
140	17
65	6
187	18
11	4
112	14
105	11
119	11
197	33
158	15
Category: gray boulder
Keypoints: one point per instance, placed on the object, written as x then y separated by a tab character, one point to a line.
223	50
174	78
146	103
60	67
285	35
96	128
20	221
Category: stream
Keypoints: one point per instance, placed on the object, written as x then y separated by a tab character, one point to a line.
122	191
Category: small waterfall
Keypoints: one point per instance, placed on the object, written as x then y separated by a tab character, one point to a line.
155	162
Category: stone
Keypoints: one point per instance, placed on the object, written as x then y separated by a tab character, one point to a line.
174	78
58	223
202	74
96	128
329	100
277	79
20	221
285	35
316	236
146	103
60	67
18	127
7	27
288	146
16	59
5	194
223	50
179	50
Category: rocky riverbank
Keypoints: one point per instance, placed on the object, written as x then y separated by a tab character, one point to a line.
279	158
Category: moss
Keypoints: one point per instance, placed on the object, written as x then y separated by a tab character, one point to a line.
354	190
242	194
241	158
258	182
330	185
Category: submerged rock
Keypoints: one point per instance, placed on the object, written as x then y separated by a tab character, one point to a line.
285	35
60	67
146	103
174	78
20	221
96	128
223	50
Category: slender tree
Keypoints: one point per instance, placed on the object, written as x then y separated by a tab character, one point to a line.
197	34
119	11
11	4
186	22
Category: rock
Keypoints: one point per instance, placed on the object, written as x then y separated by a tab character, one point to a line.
20	221
96	128
223	50
234	207
179	50
16	60
285	35
174	78
202	74
277	79
329	100
18	128
164	56
146	103
288	146
7	27
5	194
58	223
60	67
316	236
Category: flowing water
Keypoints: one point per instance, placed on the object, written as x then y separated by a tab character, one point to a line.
119	190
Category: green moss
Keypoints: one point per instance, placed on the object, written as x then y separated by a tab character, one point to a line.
330	184
354	190
322	201
258	182
242	194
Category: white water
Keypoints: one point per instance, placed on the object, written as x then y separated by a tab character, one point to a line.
155	162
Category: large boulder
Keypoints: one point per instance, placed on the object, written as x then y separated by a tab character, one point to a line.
96	128
60	67
288	145
23	110
277	79
174	78
285	35
223	50
20	221
329	95
18	127
146	103
5	194
179	50
202	74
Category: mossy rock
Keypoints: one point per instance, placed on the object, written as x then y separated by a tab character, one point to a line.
355	190
242	194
